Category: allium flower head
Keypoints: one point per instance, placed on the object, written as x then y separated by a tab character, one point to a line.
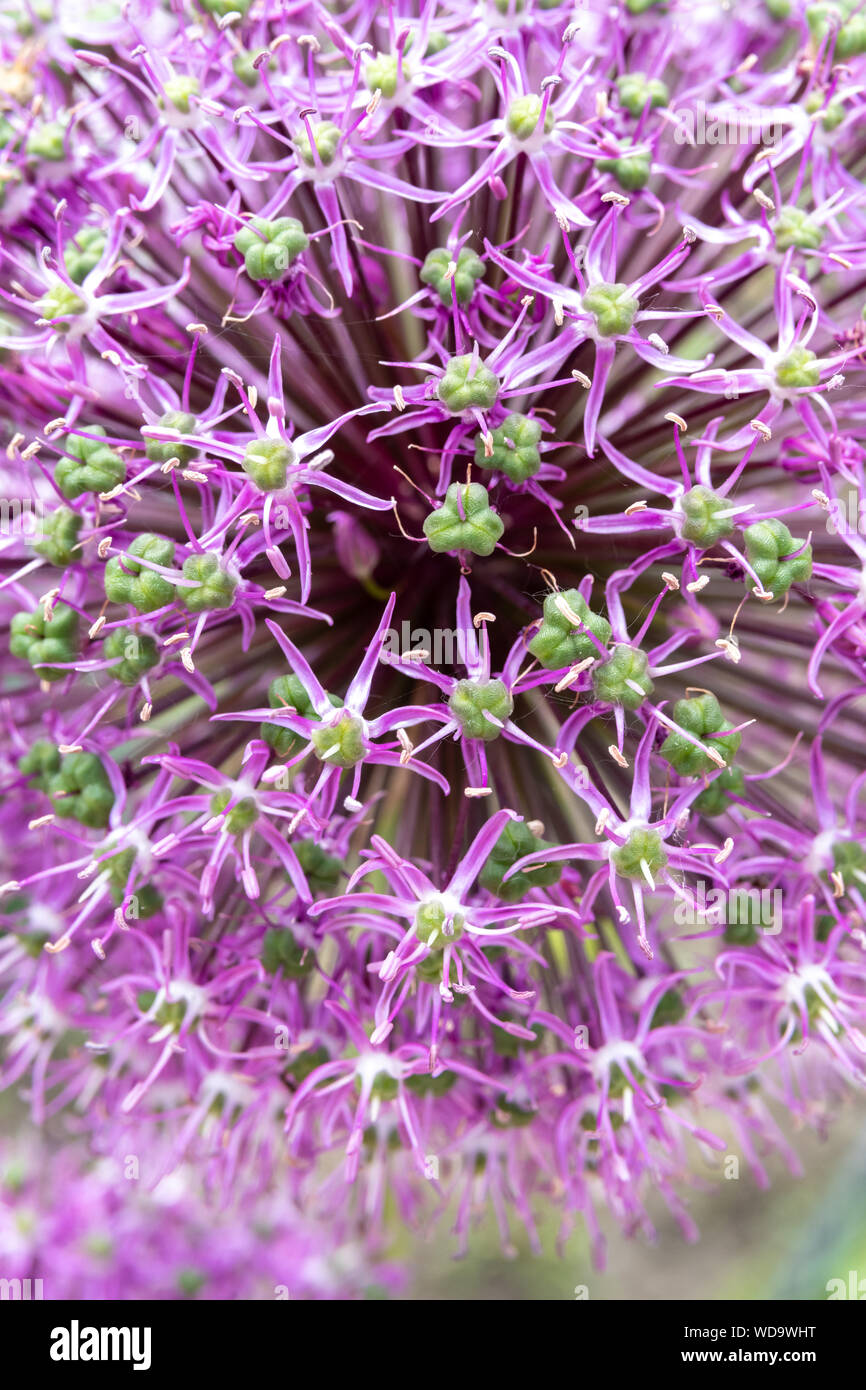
433	566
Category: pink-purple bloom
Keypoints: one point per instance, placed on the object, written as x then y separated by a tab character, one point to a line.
402	411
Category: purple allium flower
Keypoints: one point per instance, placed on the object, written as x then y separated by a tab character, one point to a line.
418	390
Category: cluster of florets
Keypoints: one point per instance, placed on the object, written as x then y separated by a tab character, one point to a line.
319	328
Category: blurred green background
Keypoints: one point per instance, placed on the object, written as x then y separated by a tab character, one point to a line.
782	1243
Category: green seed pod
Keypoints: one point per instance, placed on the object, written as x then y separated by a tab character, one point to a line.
515	842
515	448
794	227
287	692
423	1084
430	924
559	641
36	637
669	1009
47	142
702	717
215	586
635	90
148	900
643	845
221	8
740	934
58	304
321	870
609	682
509	1115
524	114
91	466
327	139
82	253
851	39
465	521
179	90
243	814
270	248
280	951
381	73
468	702
341	744
60	530
40	763
127	581
80	790
385	1086
470	268
717	797
467	384
162	450
767	543
631	170
797	369
267	461
613	307
135	653
702	524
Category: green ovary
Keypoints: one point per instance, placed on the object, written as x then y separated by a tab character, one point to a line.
470	268
41	763
134	654
82	253
287	692
797	369
613	307
127	581
469	701
523	117
60	530
243	814
81	790
635	89
270	248
559	642
515	448
179	90
163	450
430	924
38	638
91	466
60	303
465	521
631	170
280	951
515	842
642	845
341	744
767	543
610	681
717	797
794	227
466	385
267	462
215	588
702	717
327	138
702	525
